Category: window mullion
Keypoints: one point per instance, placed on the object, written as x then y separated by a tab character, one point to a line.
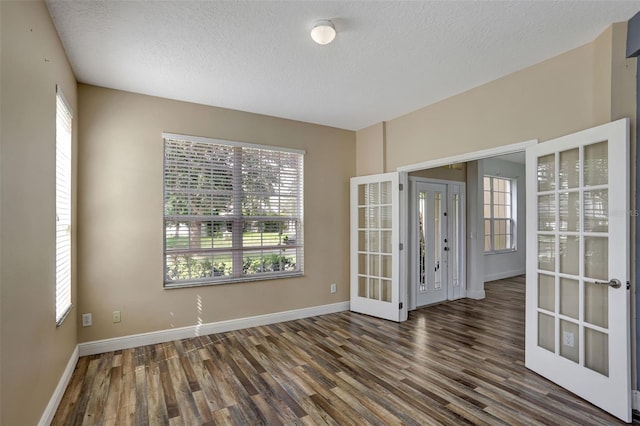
238	225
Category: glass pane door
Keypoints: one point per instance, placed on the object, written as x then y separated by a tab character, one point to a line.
375	246
577	325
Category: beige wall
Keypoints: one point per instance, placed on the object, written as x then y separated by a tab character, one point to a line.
457	172
34	352
587	86
120	214
370	147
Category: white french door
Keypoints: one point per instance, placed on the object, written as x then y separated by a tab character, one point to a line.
432	242
578	256
437	241
375	247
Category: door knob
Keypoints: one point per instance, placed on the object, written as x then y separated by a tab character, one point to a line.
615	283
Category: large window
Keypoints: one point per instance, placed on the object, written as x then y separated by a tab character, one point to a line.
499	218
63	207
232	211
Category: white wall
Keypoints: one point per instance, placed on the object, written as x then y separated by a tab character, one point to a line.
503	265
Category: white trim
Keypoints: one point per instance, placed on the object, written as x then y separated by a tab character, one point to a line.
504	274
476	294
635	400
135	340
470	156
230	143
58	393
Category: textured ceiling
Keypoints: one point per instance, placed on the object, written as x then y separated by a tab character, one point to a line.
389	57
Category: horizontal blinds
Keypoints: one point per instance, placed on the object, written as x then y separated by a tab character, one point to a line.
63	208
231	211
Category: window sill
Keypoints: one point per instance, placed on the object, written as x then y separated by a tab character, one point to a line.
64	316
188	284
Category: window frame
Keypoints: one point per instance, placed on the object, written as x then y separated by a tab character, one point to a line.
64	207
512	220
238	249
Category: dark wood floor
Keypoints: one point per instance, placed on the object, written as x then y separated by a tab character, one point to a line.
456	363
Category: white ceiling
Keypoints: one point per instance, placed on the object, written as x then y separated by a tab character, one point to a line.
389	57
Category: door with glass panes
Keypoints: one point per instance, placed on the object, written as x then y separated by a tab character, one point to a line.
375	247
577	294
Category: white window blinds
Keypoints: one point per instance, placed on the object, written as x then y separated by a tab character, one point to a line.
63	207
232	212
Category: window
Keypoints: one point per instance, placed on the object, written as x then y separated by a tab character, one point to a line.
499	218
232	211
63	207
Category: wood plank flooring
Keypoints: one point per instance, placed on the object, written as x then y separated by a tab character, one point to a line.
455	363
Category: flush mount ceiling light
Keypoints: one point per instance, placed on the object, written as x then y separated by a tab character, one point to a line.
323	32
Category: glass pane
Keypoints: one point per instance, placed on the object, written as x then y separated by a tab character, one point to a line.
373	217
569	341
362	240
386	291
547	292
596	304
570	211
362	287
374	241
546	252
374	288
362	189
596	211
373	194
569	174
547	212
546	173
569	298
374	265
596	258
362	264
385	216
362	218
596	351
385	192
546	332
596	164
385	241
386	266
569	255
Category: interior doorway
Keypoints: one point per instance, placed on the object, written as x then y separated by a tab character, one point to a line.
437	244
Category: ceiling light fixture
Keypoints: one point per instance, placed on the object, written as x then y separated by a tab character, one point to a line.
323	32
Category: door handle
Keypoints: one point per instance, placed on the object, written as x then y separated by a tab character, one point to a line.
615	283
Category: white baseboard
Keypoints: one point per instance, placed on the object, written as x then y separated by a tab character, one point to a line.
635	400
504	274
476	294
155	337
54	402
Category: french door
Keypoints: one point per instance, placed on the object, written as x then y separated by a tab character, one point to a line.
432	278
375	247
577	295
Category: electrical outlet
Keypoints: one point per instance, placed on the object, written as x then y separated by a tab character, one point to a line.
567	339
116	316
334	288
87	320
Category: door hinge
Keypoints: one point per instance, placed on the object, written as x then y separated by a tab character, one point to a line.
400	187
628	285
401	305
401	246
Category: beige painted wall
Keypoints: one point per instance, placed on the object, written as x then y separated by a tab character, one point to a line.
120	214
34	352
370	148
457	173
584	87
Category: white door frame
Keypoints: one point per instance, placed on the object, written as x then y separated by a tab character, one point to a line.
460	244
475	228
